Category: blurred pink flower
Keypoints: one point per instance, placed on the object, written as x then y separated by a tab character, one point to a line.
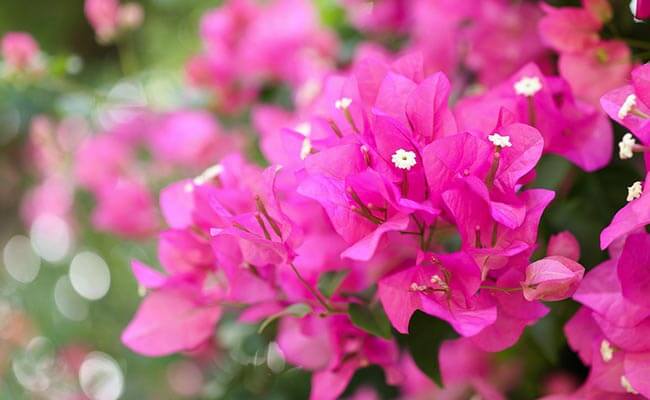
564	244
20	52
102	15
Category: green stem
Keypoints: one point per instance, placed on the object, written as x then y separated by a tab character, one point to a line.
313	291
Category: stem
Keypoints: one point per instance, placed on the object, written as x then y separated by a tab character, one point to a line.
489	179
128	60
313	291
532	117
348	117
405	184
506	290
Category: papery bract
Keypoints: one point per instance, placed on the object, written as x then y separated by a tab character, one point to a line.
552	278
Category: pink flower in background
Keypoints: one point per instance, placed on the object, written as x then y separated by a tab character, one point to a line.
597	70
190	138
378	16
569	29
590	65
564	244
102	15
108	17
248	44
126	208
20	52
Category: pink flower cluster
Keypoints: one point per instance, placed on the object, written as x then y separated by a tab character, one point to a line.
592	66
109	19
609	331
109	166
378	177
248	45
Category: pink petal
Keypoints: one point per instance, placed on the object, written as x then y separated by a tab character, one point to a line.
364	249
634	269
564	244
637	371
168	321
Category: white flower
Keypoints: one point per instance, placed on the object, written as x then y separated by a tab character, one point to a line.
305	149
343	103
209	174
627	106
634	191
417	288
606	351
404	159
500	141
627	385
528	86
626	146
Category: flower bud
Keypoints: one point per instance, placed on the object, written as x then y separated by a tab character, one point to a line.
552	278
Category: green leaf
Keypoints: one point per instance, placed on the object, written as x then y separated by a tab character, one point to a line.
330	281
298	310
424	341
371	319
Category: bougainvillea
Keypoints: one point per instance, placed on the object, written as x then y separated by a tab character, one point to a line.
370	193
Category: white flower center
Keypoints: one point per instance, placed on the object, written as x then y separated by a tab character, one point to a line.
209	174
634	191
343	103
626	146
606	351
528	86
305	149
500	141
627	106
627	385
417	288
404	159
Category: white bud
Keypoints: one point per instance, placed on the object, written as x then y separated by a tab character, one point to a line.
528	86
